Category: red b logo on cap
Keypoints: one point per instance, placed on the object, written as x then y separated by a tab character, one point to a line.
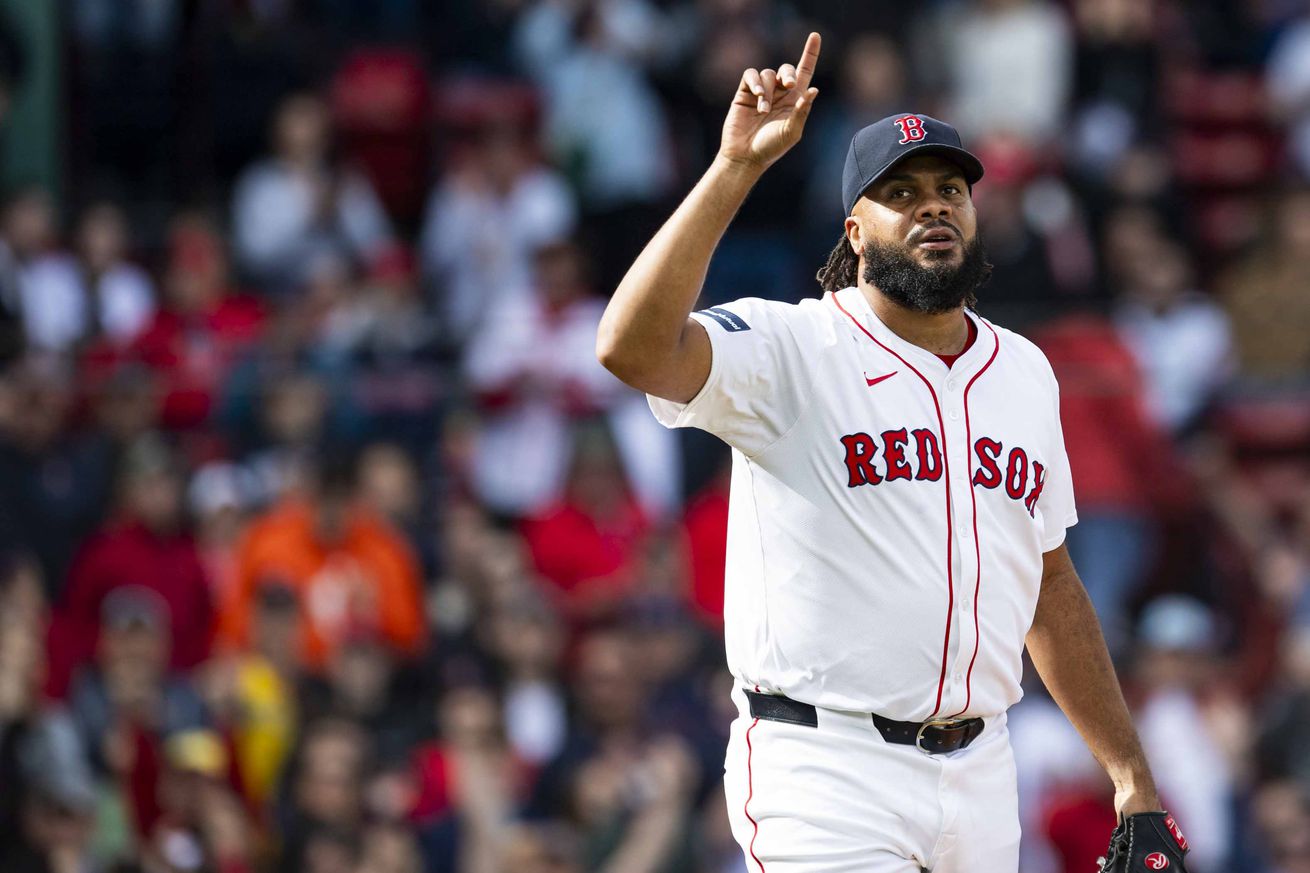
1156	861
911	128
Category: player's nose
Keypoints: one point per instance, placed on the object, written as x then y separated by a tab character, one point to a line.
934	206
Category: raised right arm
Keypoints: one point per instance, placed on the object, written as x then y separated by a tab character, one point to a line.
646	336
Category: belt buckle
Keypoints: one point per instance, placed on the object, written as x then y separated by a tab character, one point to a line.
935	723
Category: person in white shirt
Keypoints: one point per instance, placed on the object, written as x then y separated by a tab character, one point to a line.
491	212
532	365
294	205
119	295
900	495
66	299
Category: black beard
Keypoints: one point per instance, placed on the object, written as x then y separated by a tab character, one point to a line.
932	289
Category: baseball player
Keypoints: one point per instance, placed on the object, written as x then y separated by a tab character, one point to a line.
900	494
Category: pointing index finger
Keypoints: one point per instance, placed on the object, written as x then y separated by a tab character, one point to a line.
809	60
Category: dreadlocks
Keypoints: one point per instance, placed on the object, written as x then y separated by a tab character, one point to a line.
842	269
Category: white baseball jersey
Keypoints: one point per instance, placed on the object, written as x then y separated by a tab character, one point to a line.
888	514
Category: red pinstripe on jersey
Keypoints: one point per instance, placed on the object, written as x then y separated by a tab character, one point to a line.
950	536
977	547
750	792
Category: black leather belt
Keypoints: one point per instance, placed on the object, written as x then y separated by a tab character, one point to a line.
935	736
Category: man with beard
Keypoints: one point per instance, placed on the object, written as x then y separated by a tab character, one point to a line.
900	495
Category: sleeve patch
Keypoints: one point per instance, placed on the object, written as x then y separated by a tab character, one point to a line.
727	319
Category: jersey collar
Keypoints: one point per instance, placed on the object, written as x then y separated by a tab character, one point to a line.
977	355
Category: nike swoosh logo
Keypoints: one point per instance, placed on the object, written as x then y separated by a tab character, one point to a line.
873	382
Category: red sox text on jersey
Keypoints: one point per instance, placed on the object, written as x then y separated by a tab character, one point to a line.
895	456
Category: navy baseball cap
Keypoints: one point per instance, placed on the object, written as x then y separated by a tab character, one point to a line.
876	148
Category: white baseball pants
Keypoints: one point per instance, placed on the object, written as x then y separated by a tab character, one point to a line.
837	798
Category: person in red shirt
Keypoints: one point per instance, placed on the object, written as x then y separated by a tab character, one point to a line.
705	527
585	547
196	337
1123	465
145	546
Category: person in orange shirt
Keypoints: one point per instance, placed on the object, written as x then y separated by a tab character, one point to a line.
350	571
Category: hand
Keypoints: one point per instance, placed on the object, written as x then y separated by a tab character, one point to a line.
224	825
769	110
670	770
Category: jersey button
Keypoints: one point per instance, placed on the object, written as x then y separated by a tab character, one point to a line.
951	384
953	415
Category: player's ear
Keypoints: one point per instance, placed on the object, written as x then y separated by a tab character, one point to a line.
854	234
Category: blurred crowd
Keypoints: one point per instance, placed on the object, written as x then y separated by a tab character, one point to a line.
326	546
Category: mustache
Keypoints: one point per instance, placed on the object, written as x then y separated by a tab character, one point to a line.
940	224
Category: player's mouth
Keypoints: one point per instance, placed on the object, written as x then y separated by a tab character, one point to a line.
937	239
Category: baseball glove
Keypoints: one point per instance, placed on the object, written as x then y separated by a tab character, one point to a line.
1145	842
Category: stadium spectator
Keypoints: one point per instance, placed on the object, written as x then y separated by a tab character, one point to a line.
365	681
22	674
526	641
535	372
1283	752
1287	78
201	329
55	484
1282	816
56	800
540	848
1120	493
389	482
390	848
1010	68
72	301
470	783
291	409
495	207
1116	81
300	202
1265	297
1192	727
604	123
392	348
127	705
1179	337
47	288
322	820
873	85
1023	287
350	571
1064	802
705	525
756	252
586	545
119	297
201	819
625	782
252	695
145	548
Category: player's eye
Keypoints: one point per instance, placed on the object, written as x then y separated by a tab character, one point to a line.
951	190
901	192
